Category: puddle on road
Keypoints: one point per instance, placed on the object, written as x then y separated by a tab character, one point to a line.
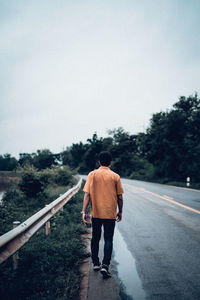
126	268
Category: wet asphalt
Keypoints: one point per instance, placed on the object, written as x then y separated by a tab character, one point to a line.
163	238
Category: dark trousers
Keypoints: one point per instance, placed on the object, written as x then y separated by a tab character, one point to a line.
109	226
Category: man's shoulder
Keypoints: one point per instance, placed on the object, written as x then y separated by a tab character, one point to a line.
91	173
114	174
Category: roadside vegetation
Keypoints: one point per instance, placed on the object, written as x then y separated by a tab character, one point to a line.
167	152
48	265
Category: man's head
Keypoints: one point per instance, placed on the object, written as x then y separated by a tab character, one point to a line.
105	158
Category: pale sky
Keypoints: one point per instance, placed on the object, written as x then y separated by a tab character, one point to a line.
69	68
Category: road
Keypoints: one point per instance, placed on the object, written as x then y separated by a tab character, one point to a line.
161	232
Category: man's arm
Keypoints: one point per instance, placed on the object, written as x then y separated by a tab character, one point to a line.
120	206
86	201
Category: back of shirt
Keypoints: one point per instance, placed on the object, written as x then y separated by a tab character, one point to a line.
103	185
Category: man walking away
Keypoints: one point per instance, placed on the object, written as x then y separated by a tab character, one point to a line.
104	190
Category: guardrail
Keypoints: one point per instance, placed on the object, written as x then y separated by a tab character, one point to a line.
13	240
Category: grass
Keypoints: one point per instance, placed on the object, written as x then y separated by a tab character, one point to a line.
49	265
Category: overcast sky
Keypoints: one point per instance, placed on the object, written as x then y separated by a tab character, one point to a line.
72	68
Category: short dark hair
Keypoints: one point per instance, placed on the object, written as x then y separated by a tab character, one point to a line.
105	158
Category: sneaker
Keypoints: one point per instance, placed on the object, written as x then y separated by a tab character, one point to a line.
96	267
105	272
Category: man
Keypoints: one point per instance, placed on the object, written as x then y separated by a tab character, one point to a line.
103	189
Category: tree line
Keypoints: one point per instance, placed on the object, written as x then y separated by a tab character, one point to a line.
169	150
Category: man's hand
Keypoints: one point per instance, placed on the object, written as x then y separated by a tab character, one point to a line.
119	216
120	205
84	218
86	201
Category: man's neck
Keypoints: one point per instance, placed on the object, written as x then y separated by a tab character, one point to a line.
107	167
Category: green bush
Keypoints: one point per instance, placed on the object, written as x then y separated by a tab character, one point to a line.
30	184
63	175
34	182
14	208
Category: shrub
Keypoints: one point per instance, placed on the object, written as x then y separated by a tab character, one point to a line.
30	183
63	175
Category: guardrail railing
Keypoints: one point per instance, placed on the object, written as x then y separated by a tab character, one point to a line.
13	240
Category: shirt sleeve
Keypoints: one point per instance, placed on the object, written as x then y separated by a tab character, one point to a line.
86	188
119	187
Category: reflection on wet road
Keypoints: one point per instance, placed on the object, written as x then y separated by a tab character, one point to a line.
1	196
126	268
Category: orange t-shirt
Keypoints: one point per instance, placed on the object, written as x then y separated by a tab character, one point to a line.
103	185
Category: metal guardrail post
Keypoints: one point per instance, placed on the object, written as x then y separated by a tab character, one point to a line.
61	207
16	254
48	227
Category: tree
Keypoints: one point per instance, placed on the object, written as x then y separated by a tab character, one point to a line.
124	151
44	159
7	162
25	159
173	138
74	156
66	157
77	153
94	147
